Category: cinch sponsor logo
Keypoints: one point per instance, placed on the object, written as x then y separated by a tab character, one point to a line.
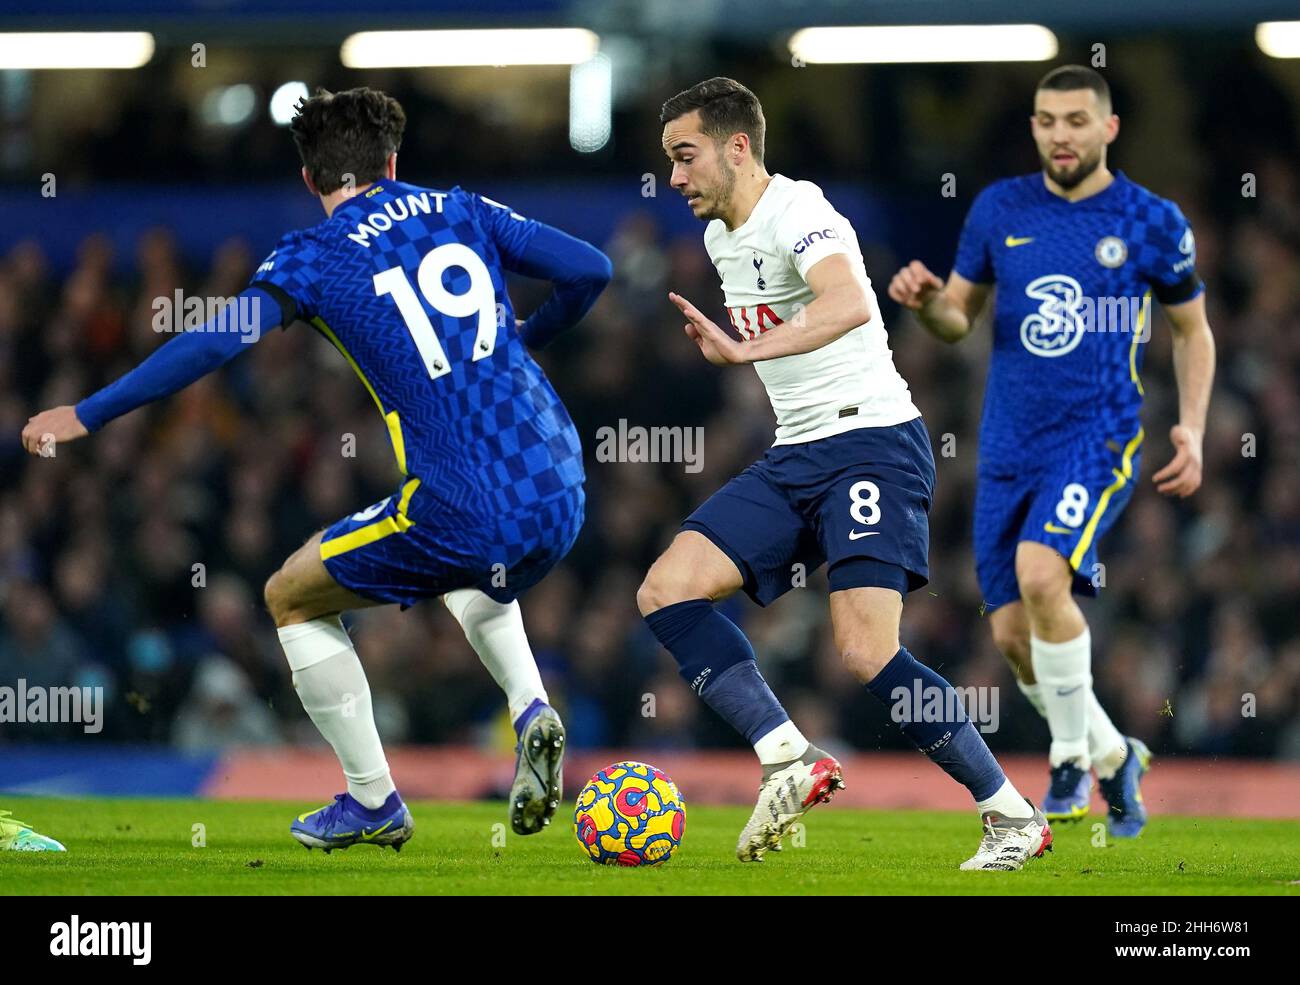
102	939
812	237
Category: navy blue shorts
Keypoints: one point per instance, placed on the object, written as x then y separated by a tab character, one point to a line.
1067	502
404	548
862	494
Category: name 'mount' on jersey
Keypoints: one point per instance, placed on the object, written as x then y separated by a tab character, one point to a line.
764	263
408	284
1075	282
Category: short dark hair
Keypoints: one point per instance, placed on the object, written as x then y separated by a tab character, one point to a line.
1068	78
726	107
350	132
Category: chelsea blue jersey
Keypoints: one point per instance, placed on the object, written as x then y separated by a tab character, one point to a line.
408	284
1075	283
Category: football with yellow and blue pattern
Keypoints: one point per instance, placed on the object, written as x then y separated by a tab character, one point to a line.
629	814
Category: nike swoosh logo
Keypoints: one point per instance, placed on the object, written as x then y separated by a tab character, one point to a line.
1052	528
1018	240
1066	694
372	835
859	534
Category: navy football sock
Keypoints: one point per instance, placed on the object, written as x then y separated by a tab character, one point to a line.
717	661
931	715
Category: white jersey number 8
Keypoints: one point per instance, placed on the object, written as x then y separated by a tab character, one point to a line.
871	501
1074	502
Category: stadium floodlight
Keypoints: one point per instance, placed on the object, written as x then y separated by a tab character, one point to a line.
284	102
591	87
924	43
229	106
75	49
500	47
1278	39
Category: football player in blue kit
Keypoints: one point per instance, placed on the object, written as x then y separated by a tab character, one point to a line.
1076	253
408	283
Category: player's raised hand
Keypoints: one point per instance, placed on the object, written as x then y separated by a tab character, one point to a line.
718	347
44	431
1182	476
914	285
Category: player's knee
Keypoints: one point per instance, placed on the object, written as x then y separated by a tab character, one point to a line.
659	588
1043	583
1012	643
866	656
278	598
667	583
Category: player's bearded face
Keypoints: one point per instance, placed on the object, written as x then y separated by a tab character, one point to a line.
1069	165
1070	131
715	196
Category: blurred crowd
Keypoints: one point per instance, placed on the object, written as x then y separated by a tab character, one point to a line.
135	560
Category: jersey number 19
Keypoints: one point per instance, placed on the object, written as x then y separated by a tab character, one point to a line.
480	299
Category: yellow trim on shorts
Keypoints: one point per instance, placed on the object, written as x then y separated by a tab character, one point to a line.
372	532
390	417
1122	475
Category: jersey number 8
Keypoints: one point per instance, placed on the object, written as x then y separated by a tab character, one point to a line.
1074	502
871	502
480	299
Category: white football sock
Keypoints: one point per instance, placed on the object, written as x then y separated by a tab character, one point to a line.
1007	802
1065	682
1035	695
1107	747
332	688
496	632
781	745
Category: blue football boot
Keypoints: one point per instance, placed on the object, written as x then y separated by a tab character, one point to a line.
1127	814
346	822
1070	793
539	768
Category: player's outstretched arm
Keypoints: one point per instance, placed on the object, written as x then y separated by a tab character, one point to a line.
949	310
716	345
1194	359
840	304
169	368
578	271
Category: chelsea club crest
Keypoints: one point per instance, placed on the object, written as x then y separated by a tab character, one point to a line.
1111	251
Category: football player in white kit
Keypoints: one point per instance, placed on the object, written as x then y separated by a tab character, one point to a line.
848	482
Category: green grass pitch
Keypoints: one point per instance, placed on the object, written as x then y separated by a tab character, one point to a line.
127	846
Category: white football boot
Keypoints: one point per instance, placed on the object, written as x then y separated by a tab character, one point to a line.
787	792
1009	842
539	773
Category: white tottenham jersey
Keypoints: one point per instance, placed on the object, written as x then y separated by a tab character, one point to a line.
849	383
